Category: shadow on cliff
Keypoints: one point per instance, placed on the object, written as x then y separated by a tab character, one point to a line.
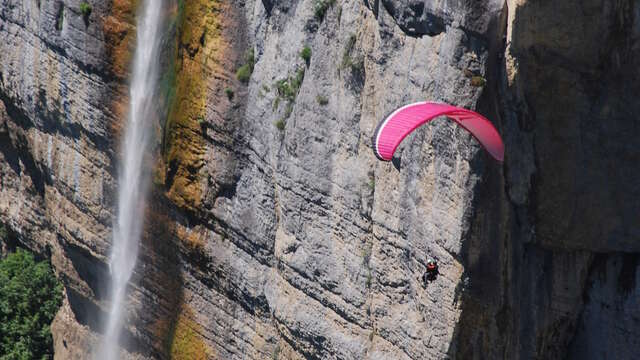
485	249
14	146
160	270
157	268
570	110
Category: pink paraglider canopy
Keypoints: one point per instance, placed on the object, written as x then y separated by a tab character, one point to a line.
395	127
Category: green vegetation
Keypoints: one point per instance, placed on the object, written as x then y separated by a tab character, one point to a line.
284	89
372	183
297	81
322	100
229	93
168	82
85	9
321	7
30	296
366	255
353	64
185	341
244	72
288	110
356	65
346	54
305	54
276	353
264	89
478	81
287	89
366	258
60	18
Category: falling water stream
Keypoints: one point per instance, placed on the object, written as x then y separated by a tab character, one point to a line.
132	181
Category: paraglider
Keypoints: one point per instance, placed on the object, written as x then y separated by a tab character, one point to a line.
401	122
431	273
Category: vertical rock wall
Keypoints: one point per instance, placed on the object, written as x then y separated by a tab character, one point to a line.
272	230
63	96
571	199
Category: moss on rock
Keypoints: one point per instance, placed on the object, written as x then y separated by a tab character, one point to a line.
197	54
185	339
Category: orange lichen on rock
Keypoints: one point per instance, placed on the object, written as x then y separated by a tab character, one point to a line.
201	45
193	240
119	32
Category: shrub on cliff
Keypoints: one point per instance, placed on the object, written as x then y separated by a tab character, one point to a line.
321	7
478	81
305	54
244	72
85	9
322	100
30	295
60	18
229	93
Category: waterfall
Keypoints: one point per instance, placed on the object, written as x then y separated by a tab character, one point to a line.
132	178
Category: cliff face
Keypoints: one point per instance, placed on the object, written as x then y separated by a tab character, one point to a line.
272	230
63	94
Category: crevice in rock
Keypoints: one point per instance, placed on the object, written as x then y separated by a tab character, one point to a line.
92	271
414	20
627	278
17	156
85	311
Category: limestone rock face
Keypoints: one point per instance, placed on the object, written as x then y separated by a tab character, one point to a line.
272	231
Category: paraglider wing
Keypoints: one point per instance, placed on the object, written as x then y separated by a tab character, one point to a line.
400	123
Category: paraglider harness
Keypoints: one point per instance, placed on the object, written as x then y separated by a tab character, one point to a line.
431	273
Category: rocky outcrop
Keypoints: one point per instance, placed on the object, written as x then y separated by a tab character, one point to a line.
273	231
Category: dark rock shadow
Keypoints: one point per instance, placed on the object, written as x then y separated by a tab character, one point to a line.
158	271
571	98
482	289
92	271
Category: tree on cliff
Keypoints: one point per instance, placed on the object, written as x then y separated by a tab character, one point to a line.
30	295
